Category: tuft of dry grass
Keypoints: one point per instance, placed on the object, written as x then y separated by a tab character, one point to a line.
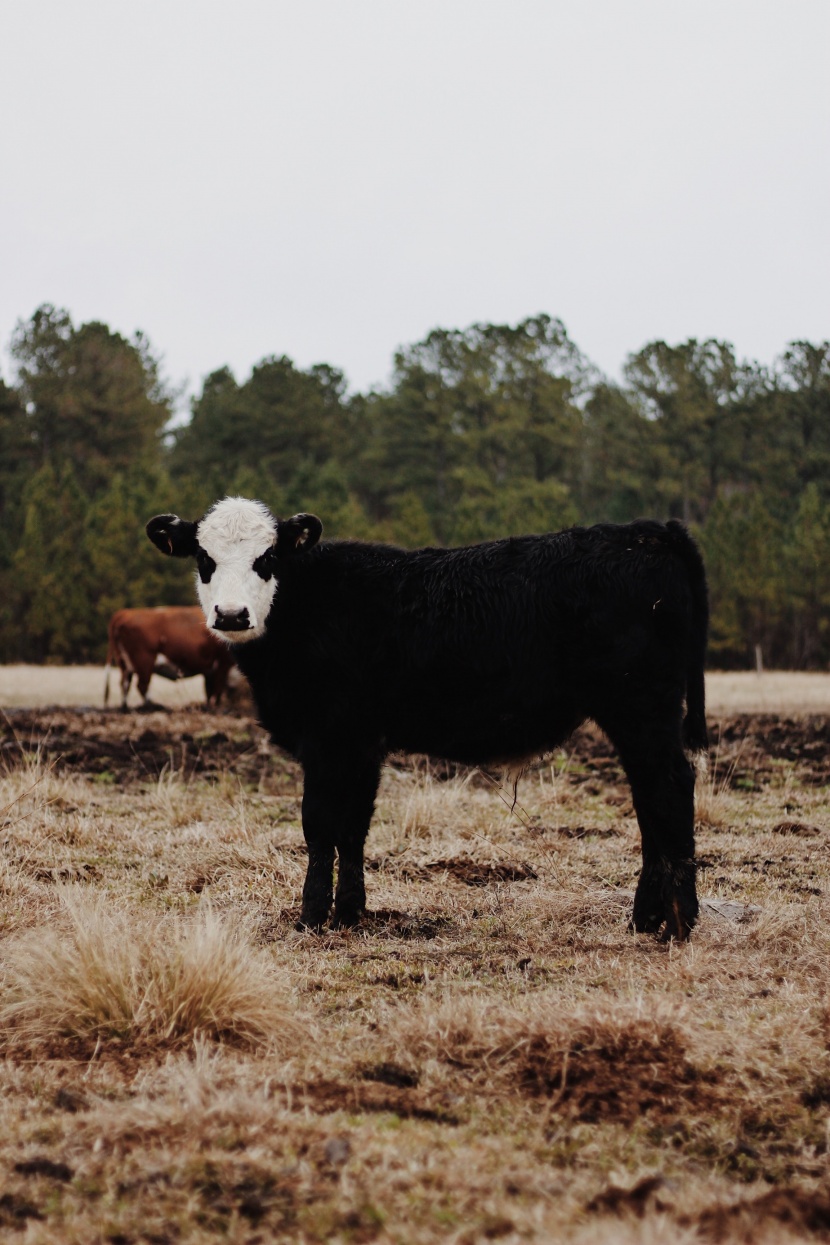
713	784
142	982
424	806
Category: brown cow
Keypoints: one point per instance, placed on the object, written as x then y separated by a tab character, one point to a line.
171	640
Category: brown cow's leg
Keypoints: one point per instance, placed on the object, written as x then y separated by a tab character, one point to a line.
212	692
126	680
216	680
144	663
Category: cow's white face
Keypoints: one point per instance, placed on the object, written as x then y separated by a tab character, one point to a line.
238	546
235	588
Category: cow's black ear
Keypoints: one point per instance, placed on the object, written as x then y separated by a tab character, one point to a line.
298	534
173	535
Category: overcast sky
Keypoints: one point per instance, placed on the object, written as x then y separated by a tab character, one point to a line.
330	179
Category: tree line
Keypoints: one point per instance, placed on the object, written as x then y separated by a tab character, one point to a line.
483	432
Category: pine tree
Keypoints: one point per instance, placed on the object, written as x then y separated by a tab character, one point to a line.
694	393
282	422
807	566
91	397
53	588
744	550
123	568
477	420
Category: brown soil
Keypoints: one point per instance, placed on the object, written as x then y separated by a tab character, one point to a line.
403	1101
747	749
460	869
802	1211
607	1073
129	747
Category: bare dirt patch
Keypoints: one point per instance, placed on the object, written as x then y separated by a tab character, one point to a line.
401	1101
804	1211
748	751
617	1073
140	746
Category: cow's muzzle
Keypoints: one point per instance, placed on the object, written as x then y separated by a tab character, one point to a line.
232	620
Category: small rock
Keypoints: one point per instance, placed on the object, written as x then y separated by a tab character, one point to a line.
337	1150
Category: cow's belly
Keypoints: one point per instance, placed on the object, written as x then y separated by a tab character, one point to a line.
189	660
479	731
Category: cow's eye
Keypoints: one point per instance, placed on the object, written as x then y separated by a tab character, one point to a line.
205	564
263	566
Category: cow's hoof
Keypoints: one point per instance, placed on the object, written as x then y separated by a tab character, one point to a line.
649	909
680	921
666	900
681	904
645	922
675	928
312	920
347	918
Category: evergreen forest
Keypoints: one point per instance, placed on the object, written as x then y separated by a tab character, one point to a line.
482	432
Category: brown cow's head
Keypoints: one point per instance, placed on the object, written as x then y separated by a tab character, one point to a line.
238	546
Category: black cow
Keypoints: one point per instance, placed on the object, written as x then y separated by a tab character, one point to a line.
487	654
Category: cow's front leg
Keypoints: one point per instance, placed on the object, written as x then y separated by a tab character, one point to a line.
350	897
356	812
338	802
318	828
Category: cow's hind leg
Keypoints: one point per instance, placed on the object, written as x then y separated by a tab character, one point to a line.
144	668
126	680
338	802
666	895
662	787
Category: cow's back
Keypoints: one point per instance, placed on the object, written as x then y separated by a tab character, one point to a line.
516	642
185	640
178	633
478	653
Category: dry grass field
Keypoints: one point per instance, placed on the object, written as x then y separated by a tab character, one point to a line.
32	686
492	1056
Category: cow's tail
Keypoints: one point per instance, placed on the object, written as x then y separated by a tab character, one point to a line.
695	735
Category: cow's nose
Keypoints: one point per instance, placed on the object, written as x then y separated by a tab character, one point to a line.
232	620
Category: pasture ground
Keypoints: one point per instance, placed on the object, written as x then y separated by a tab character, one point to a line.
774	691
491	1057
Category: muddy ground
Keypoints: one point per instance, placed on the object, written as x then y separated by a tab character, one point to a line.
747	750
